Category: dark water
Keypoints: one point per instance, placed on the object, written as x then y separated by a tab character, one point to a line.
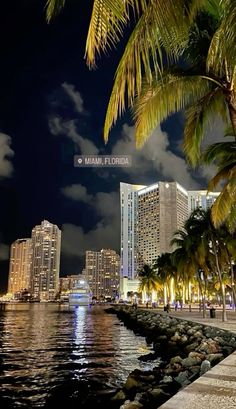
49	357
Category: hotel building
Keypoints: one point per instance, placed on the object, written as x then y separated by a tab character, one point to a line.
46	248
102	272
129	239
162	209
20	266
201	199
149	217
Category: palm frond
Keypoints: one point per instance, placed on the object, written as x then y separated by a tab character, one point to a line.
198	116
229	28
221	208
222	175
162	25
53	8
231	223
217	54
220	152
106	26
170	94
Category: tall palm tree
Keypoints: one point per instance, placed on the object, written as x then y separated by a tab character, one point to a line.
165	273
148	280
202	226
191	260
151	76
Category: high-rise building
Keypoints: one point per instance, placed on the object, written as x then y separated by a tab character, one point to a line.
129	217
201	199
162	209
149	217
69	282
103	272
20	266
46	247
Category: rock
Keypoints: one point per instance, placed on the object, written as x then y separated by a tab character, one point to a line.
131	405
209	347
120	395
175	360
205	366
195	354
138	397
192	347
191	361
182	378
131	382
214	358
167	379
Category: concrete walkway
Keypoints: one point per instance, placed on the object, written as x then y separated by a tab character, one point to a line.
216	389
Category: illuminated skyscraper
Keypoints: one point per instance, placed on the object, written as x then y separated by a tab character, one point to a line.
46	248
201	199
162	209
149	217
102	272
129	218
20	266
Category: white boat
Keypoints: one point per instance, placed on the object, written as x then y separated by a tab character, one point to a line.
80	294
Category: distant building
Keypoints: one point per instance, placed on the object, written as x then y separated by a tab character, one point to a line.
201	199
20	266
46	248
69	282
102	272
127	287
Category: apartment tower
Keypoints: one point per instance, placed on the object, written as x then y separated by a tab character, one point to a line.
129	217
46	247
201	199
102	272
20	266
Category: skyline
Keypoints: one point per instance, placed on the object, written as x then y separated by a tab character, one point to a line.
24	250
51	108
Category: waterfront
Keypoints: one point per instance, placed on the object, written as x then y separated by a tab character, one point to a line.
49	356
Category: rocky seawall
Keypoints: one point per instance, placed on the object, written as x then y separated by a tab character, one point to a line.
186	350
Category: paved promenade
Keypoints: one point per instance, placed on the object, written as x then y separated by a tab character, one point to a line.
216	389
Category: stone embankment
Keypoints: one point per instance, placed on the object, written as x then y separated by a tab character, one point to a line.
186	350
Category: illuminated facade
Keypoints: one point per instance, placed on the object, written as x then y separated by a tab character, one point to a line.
201	199
46	248
69	282
20	266
149	217
102	272
129	217
162	209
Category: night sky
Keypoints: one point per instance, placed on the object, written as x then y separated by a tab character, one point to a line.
51	108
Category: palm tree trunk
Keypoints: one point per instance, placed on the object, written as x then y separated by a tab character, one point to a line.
165	294
172	291
203	300
233	284
222	287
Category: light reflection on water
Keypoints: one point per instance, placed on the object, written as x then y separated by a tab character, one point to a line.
45	351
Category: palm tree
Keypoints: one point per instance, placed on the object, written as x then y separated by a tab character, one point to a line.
202	226
190	259
165	272
148	280
151	76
